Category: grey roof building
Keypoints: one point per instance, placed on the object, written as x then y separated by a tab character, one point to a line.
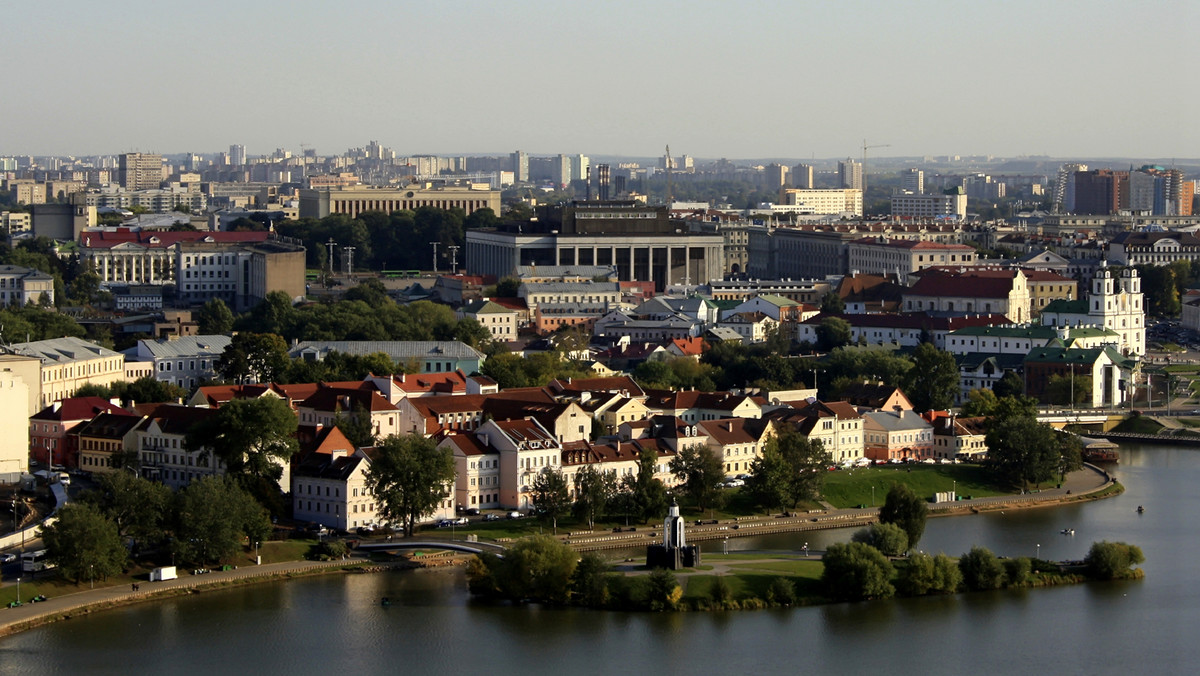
428	356
186	361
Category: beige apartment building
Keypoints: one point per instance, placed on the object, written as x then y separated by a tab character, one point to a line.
354	200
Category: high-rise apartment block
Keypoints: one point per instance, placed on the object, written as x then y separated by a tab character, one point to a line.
520	166
237	155
802	177
851	174
775	175
140	171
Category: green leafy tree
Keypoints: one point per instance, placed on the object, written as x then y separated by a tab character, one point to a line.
410	477
832	304
662	590
1018	571
782	591
980	402
589	583
888	538
254	358
537	568
700	472
932	383
138	507
905	509
833	332
645	496
215	318
1111	560
1009	385
790	470
1070	450
551	496
84	543
594	489
357	426
508	287
981	570
255	437
925	574
1067	390
146	390
1021	450
214	516
856	572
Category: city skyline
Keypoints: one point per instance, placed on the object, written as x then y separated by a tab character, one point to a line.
765	80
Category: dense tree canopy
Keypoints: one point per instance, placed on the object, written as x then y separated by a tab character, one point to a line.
410	477
84	543
700	473
1022	450
213	517
856	572
251	436
551	496
932	382
905	509
789	472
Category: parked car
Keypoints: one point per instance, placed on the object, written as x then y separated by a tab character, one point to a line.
7	558
515	515
472	511
491	516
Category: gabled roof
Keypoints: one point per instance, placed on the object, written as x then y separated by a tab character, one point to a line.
1061	355
485	307
1033	331
893	421
185	346
689	347
176	418
398	350
62	350
77	408
967	285
735	430
109	425
346	399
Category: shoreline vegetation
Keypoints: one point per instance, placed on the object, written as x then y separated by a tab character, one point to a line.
541	570
698	584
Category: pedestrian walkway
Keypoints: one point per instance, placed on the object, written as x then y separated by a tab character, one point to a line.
11	618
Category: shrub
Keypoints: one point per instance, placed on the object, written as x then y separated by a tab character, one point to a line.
855	572
888	538
1019	571
663	590
981	569
327	550
1112	560
782	591
719	591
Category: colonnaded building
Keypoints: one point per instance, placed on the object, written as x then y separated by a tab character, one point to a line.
354	200
640	241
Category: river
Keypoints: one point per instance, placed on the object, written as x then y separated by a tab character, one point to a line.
334	624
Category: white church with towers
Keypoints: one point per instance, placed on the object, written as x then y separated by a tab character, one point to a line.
1114	303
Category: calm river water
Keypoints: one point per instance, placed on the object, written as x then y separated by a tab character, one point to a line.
335	625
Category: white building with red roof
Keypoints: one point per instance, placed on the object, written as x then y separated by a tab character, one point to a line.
883	256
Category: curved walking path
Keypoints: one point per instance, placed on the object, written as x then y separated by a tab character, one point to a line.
23	617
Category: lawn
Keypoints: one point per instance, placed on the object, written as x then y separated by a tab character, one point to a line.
1138	425
850	488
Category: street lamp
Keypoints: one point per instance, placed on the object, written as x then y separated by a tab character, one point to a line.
872	496
725	545
257	558
1039	550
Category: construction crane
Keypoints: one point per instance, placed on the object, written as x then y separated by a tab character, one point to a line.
864	169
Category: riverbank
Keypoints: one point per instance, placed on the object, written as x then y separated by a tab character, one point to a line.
1091	483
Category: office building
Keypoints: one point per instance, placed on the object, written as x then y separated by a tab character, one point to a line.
354	200
912	180
802	177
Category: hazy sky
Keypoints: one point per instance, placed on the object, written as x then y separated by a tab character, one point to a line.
712	79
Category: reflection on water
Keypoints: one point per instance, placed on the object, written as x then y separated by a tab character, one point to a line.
336	623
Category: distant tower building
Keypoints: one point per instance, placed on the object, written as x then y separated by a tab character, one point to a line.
1101	192
776	176
237	155
802	177
850	174
520	166
560	169
140	171
579	168
602	181
1064	188
913	180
